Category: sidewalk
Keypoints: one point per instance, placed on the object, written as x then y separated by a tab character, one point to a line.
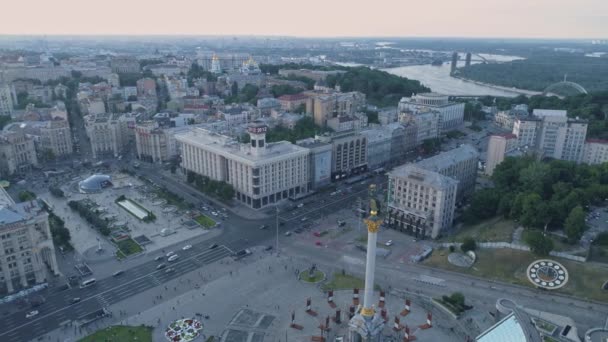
235	207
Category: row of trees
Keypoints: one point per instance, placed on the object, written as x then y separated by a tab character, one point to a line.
221	190
61	235
304	128
381	88
91	216
548	195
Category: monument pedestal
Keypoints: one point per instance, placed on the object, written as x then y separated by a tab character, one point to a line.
366	329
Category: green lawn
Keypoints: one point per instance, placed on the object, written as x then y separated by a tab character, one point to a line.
510	266
127	247
496	229
318	276
204	221
341	281
121	333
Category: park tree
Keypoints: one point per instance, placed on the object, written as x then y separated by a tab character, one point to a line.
539	244
575	224
483	205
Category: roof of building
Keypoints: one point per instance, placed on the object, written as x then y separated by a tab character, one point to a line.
549	112
515	327
95	183
229	146
293	97
415	173
446	159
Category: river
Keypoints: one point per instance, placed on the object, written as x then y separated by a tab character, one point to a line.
439	80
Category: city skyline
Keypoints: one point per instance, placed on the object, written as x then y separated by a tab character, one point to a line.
388	18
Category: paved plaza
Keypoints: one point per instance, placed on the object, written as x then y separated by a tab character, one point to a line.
252	300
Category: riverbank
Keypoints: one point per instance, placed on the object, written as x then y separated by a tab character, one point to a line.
513	90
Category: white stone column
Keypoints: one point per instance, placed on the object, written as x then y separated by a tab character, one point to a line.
370	268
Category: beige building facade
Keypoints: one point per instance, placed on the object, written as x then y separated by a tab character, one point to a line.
27	250
498	147
17	152
596	151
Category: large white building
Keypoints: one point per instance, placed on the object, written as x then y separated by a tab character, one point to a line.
422	196
27	245
261	173
56	136
552	134
420	202
596	151
451	114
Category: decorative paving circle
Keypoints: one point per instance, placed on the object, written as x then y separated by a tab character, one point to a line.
186	329
547	274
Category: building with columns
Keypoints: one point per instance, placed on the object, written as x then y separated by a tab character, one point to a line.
27	250
261	173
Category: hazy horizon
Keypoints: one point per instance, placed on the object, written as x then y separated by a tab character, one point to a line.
484	19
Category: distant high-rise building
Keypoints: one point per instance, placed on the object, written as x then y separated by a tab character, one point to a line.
467	61
451	114
454	62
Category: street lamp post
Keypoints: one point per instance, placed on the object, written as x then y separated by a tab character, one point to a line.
277	226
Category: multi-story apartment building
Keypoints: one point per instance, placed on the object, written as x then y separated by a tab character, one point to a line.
56	136
386	145
151	142
562	138
6	99
596	151
459	164
109	134
424	122
324	106
498	146
17	152
261	173
349	153
451	114
291	102
420	202
506	119
526	131
27	249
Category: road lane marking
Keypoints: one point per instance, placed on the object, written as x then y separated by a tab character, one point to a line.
127	284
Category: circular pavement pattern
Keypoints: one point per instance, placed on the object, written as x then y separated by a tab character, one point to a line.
547	274
183	330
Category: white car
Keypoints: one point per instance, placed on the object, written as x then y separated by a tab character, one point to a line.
170	254
388	243
214	213
31	314
186	247
173	257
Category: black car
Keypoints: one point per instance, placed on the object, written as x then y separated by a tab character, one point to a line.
161	266
268	248
213	246
74	300
117	273
158	258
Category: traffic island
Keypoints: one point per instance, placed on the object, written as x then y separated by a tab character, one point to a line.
313	277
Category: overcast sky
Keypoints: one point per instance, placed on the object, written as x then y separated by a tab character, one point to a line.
321	18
